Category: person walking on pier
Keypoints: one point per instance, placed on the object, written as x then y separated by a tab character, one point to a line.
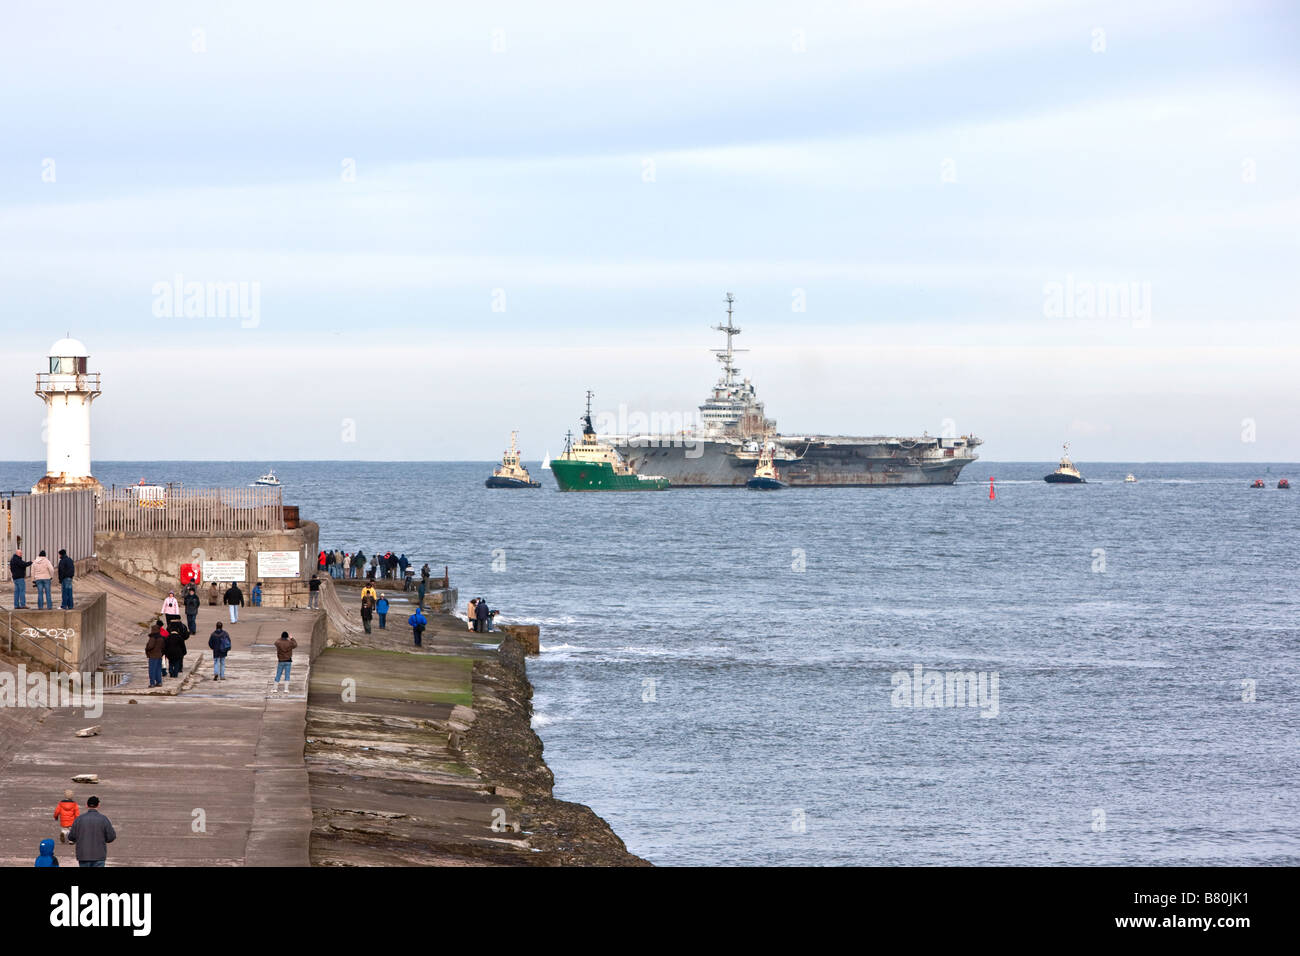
481	615
153	650
47	857
417	622
18	571
381	608
420	589
367	608
192	608
284	659
313	593
67	571
235	600
92	833
42	571
174	647
66	812
257	594
171	610
219	642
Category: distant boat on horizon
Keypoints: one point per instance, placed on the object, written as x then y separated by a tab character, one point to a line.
268	479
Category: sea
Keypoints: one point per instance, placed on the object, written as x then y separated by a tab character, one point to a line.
1091	674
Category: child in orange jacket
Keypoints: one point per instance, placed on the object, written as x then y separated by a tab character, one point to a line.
66	813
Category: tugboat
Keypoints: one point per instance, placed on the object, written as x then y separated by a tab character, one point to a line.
591	465
1284	484
1066	473
511	473
1257	483
766	477
268	479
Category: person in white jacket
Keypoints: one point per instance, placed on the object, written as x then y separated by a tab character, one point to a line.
171	607
42	573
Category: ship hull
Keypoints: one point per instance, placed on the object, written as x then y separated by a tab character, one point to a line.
497	482
1055	479
820	463
600	476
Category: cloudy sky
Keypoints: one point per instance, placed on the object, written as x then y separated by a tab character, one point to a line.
450	220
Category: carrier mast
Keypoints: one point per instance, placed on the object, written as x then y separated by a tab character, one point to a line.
725	356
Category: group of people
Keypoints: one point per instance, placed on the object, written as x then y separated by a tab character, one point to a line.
373	603
167	637
480	616
43	571
89	832
339	564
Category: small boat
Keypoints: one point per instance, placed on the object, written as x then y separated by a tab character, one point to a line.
511	473
1283	484
1257	483
766	477
268	479
1129	479
1066	473
546	462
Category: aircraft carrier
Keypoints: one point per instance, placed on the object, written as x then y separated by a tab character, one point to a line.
724	449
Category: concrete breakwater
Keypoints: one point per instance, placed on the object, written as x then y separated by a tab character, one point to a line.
377	753
427	756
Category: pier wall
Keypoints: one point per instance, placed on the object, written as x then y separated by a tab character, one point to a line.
60	640
157	560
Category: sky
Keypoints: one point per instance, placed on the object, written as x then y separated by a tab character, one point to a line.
448	221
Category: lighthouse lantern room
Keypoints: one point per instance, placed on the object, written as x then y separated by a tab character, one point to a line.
67	389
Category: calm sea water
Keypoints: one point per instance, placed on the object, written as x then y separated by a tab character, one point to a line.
717	669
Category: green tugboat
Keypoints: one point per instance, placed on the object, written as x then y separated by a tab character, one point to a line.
591	465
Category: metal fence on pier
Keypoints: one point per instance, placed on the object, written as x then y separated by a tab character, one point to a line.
173	510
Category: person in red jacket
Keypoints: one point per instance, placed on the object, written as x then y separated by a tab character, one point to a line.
66	813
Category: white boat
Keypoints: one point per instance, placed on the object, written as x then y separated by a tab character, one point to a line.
268	479
546	462
1129	478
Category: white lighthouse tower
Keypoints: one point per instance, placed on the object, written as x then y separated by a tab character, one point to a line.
67	389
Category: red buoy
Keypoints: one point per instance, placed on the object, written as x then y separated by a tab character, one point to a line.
991	494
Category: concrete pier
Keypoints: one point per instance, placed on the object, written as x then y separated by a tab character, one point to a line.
379	753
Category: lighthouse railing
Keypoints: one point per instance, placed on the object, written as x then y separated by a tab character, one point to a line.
173	510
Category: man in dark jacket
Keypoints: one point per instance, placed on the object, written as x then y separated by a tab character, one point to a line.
481	615
192	608
92	832
313	593
67	569
174	648
235	599
219	642
153	650
18	571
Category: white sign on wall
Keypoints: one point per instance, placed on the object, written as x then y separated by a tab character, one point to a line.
225	570
278	564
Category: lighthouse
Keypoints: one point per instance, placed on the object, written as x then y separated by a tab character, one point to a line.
67	389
